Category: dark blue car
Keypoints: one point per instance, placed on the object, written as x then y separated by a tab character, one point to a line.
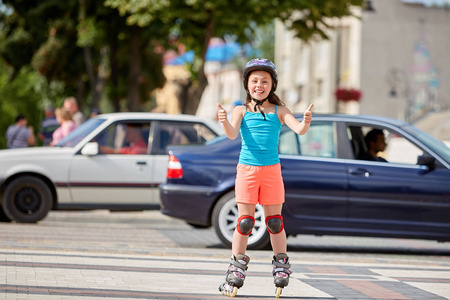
329	190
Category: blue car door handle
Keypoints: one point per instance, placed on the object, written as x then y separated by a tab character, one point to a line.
359	172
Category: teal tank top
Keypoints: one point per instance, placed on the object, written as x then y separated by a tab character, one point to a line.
260	139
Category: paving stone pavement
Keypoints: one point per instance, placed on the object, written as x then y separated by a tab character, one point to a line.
118	260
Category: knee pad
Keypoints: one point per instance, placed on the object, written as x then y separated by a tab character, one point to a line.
245	225
274	224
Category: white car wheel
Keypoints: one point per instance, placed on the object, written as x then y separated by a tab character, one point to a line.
27	199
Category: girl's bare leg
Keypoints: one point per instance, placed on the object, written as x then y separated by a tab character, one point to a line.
240	241
278	240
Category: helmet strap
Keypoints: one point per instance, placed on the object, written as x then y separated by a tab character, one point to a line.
258	105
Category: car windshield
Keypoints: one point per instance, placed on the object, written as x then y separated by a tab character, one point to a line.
73	138
434	144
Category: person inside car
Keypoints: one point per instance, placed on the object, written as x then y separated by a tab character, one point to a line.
135	143
375	143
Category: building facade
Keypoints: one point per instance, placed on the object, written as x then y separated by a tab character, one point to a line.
396	56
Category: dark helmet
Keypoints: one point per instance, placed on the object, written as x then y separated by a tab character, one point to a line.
260	64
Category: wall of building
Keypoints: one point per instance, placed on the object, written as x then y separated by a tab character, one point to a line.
405	60
397	56
310	72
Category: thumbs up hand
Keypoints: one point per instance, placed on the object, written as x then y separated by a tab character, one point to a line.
307	115
221	114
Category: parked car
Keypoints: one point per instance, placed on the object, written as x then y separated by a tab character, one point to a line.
113	161
328	190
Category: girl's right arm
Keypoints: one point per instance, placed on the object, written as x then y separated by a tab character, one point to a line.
231	129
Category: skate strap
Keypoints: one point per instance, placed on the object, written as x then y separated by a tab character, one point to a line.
284	270
280	265
238	264
239	270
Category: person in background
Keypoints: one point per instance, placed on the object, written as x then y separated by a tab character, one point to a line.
67	125
19	135
375	143
71	105
95	112
48	126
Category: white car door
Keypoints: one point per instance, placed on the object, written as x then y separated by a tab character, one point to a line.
117	177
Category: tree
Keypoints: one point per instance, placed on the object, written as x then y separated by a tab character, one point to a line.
85	45
28	93
194	22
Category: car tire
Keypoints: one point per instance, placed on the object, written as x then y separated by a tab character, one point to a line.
3	217
197	226
224	219
27	199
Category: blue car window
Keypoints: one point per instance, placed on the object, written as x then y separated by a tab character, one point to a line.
180	133
289	143
390	147
318	142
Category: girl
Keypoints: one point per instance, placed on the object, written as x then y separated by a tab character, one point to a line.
258	178
67	125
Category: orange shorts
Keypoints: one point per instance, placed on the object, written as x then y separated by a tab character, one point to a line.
259	184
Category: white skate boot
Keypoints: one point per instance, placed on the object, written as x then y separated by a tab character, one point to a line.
280	272
235	277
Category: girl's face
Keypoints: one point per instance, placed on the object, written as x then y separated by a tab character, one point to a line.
259	84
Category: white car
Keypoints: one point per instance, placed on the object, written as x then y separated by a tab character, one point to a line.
113	161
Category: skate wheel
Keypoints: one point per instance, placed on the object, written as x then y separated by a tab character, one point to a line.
234	292
278	292
229	291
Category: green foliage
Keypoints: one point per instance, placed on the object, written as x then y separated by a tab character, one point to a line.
83	42
17	47
264	40
89	33
194	22
190	21
28	93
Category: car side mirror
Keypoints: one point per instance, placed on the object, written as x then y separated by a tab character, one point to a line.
90	149
426	160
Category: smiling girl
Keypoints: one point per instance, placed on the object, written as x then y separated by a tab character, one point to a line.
258	178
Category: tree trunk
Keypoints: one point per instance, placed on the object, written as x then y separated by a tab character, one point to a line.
114	95
97	79
135	69
80	92
102	75
190	93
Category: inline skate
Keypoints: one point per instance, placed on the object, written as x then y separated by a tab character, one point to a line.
280	272
235	277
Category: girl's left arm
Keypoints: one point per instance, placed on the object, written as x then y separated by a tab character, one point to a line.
294	124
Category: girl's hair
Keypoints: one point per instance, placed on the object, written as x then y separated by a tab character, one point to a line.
64	114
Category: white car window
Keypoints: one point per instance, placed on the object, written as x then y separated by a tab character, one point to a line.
124	138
